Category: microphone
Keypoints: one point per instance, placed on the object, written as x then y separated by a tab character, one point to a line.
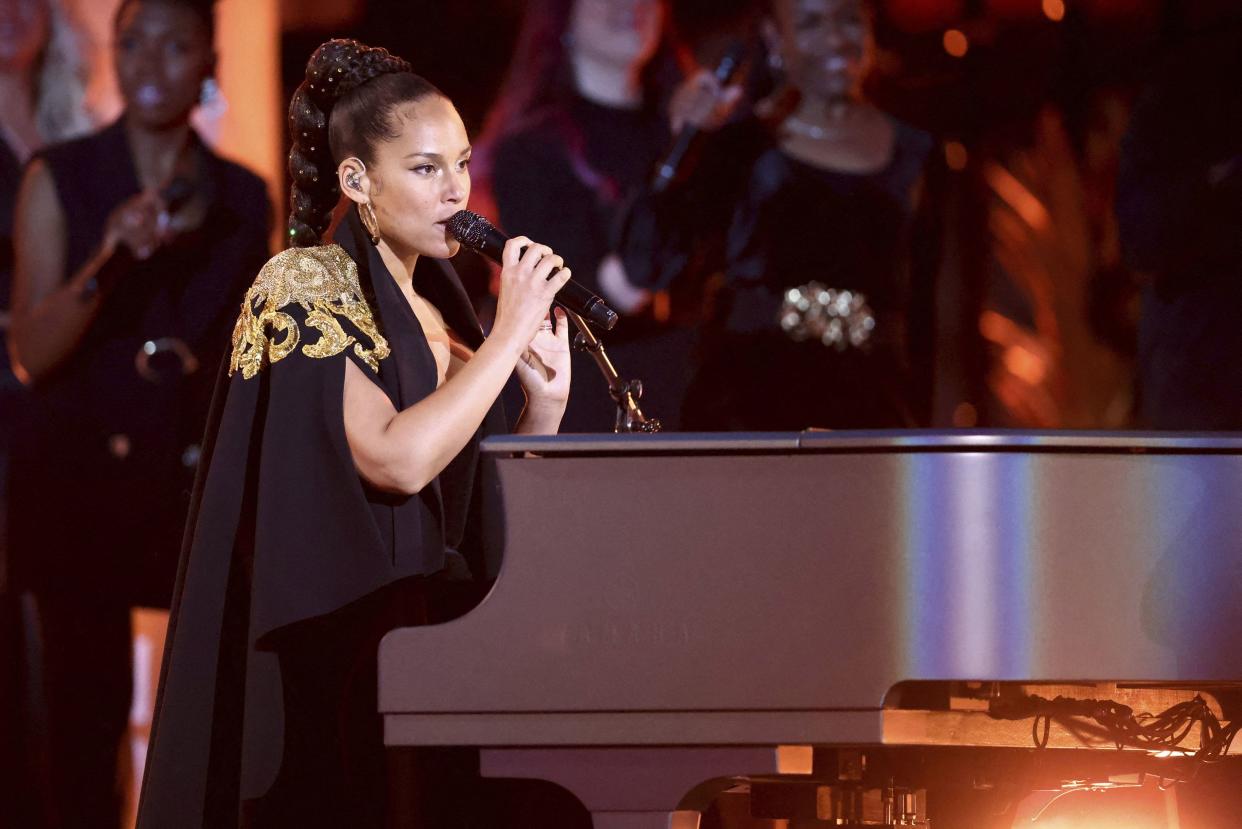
481	236
667	170
122	260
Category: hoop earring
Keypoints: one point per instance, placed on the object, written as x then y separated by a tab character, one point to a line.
211	98
366	212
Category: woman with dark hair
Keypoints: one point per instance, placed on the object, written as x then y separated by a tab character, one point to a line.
132	245
802	220
341	490
577	126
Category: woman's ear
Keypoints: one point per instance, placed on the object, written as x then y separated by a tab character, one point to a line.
353	180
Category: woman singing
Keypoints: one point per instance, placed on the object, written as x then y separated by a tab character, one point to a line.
340	491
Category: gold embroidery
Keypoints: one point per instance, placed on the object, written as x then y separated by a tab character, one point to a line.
324	281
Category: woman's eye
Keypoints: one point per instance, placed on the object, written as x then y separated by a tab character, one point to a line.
463	164
425	169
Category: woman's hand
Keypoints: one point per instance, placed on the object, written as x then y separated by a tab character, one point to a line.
527	286
701	101
544	367
140	223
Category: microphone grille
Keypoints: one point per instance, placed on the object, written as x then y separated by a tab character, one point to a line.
469	228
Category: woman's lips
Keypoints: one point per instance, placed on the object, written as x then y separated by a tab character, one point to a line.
149	95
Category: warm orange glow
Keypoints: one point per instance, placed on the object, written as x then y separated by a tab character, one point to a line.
965	416
248	41
1054	9
1018	196
955	155
1025	365
955	43
1107	805
1017	355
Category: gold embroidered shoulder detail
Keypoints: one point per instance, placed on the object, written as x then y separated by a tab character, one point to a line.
324	281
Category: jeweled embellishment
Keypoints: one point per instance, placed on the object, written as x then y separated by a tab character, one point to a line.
324	282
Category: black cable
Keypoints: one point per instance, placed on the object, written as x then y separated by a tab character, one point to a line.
1165	731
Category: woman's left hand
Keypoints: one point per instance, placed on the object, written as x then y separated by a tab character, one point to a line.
543	368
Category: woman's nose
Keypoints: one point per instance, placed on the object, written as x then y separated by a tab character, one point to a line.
457	186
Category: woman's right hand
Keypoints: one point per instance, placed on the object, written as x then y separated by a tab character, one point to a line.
139	223
527	286
702	102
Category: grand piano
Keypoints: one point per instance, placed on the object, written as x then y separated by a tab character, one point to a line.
679	615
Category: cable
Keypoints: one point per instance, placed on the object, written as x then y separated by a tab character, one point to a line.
1165	731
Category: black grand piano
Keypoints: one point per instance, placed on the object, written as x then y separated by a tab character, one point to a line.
706	613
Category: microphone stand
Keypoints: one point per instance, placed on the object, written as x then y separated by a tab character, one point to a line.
625	393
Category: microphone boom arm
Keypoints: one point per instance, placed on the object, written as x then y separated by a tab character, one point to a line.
625	393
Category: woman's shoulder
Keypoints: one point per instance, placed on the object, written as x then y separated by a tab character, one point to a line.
306	301
306	275
81	166
88	146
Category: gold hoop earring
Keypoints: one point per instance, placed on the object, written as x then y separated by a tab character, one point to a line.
366	212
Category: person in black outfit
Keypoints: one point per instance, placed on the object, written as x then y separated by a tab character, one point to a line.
42	86
133	247
1179	212
342	492
821	189
575	130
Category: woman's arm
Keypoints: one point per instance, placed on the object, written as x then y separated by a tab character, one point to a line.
51	315
404	451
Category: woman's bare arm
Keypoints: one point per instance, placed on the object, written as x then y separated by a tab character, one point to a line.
51	314
403	451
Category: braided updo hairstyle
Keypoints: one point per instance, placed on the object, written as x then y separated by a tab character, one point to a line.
342	109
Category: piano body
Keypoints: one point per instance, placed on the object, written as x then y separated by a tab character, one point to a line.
678	613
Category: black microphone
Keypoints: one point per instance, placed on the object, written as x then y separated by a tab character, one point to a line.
481	236
122	260
667	170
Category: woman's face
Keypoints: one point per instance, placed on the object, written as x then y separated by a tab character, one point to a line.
825	44
421	178
23	31
162	55
624	33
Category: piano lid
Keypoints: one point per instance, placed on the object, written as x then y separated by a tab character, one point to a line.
895	441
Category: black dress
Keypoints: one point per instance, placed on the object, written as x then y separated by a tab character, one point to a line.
1179	212
117	443
293	567
11	392
564	180
753	222
17	808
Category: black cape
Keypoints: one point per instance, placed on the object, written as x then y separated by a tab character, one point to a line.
286	549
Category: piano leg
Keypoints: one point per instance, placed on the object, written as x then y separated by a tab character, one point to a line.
644	788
